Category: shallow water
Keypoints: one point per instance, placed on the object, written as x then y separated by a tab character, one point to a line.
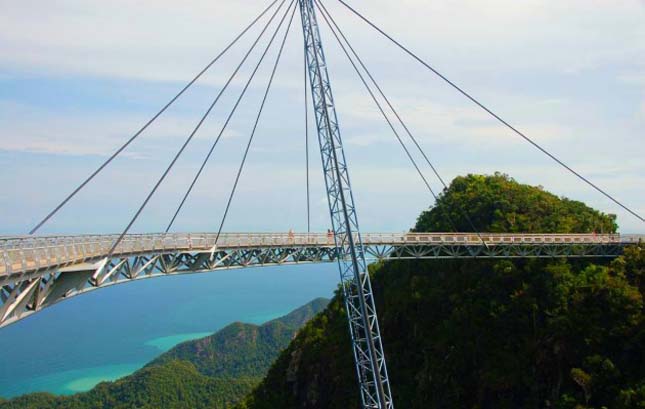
110	333
163	344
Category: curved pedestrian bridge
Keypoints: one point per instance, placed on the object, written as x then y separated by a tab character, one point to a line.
36	272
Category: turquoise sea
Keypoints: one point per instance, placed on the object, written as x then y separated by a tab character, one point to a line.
110	333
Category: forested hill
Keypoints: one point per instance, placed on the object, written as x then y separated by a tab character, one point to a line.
243	349
486	333
212	372
499	204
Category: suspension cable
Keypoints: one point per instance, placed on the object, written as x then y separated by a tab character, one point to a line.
192	134
221	133
140	131
257	119
490	112
307	142
387	100
385	116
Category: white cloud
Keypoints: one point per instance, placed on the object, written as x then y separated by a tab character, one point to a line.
531	34
164	40
633	78
366	139
456	125
147	39
27	129
528	58
230	134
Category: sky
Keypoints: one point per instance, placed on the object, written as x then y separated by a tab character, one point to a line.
78	78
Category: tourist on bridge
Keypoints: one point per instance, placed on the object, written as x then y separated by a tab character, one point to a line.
330	236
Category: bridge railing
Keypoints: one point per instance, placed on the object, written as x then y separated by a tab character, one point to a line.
29	253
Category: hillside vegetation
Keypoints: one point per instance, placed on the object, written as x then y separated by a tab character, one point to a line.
499	204
176	384
243	350
547	333
213	372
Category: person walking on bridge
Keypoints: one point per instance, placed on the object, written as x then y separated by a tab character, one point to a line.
330	236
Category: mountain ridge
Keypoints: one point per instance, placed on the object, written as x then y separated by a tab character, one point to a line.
184	377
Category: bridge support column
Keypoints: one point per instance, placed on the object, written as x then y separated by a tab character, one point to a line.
357	289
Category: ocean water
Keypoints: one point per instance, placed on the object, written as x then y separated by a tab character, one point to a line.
110	333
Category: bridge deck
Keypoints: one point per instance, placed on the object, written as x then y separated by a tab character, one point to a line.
23	254
37	272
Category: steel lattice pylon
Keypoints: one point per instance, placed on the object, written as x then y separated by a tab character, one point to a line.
357	289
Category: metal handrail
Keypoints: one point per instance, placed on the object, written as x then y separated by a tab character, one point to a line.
227	239
227	236
42	251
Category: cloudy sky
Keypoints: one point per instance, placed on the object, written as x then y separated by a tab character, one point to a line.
78	78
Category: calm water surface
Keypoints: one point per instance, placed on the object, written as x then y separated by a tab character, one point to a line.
110	333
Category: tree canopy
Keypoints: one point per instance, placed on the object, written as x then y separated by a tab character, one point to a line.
541	333
498	204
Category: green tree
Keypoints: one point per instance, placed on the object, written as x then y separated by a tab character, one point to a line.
498	204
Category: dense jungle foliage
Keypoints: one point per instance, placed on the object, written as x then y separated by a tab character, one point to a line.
498	204
243	350
176	384
486	333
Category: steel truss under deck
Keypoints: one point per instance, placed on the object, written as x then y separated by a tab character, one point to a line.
36	273
357	290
